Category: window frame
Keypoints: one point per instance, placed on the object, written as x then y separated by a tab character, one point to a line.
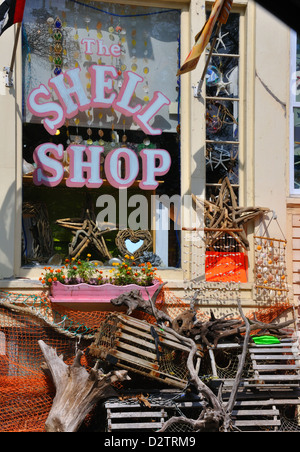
171	274
293	104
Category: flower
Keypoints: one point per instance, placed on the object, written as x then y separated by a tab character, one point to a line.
80	270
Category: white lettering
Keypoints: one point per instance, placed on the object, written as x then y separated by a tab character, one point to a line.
65	93
102	84
49	171
50	109
78	166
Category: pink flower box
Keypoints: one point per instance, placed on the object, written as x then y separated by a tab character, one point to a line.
73	294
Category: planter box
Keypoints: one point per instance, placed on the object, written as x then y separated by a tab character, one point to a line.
88	294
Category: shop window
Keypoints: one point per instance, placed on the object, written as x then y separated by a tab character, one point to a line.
295	116
225	258
101	139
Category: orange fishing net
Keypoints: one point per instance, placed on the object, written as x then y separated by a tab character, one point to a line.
26	393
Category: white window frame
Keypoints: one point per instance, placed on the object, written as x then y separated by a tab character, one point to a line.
173	275
293	104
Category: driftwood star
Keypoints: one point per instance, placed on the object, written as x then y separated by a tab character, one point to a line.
224	216
86	232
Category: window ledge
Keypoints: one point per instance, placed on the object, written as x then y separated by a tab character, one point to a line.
293	201
20	283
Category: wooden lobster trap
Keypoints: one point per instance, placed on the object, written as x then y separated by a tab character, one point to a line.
143	348
149	411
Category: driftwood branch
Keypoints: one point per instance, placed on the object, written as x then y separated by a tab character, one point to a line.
134	300
238	377
77	391
212	416
215	415
214	330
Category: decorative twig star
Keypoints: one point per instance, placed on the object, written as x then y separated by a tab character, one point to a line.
86	232
224	216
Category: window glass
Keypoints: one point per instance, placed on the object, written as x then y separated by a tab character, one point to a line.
295	152
100	127
222	108
226	258
298	68
297	148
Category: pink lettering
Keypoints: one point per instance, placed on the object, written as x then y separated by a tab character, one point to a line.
102	84
142	119
102	49
123	100
49	171
88	43
65	94
51	109
78	166
112	167
150	170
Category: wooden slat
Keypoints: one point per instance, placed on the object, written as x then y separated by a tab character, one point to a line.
163	336
274	357
137	361
268	349
164	340
121	405
137	351
278	377
168	379
273	412
272	402
135	414
134	339
258	423
276	367
136	426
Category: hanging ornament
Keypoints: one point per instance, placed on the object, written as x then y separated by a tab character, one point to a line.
101	134
212	76
124	136
87	20
89	141
100	131
57	36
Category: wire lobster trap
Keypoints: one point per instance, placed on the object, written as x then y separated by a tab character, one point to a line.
143	348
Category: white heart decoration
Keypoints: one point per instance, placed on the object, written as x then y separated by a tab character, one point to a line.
133	247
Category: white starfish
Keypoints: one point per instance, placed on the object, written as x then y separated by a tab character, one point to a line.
221	86
223	157
220	40
210	160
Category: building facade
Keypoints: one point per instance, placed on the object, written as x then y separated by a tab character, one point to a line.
98	121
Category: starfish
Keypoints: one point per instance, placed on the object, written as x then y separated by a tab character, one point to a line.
223	157
221	86
220	40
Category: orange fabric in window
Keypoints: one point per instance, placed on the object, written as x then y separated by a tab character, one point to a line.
226	266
